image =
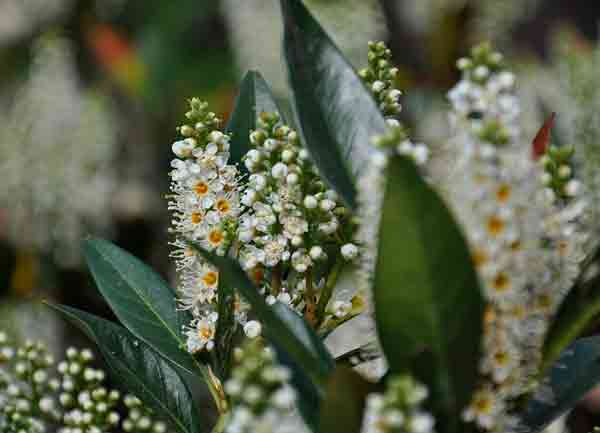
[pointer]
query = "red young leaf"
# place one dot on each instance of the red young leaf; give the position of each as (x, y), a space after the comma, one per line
(542, 138)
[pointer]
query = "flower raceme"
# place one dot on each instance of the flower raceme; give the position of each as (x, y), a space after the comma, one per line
(282, 223)
(523, 212)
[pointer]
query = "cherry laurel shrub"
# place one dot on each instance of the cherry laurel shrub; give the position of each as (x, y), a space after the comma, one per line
(475, 272)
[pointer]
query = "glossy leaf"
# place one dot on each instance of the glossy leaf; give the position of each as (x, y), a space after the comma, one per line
(138, 369)
(574, 373)
(577, 312)
(310, 395)
(254, 98)
(344, 402)
(365, 353)
(288, 333)
(225, 332)
(427, 297)
(142, 301)
(336, 114)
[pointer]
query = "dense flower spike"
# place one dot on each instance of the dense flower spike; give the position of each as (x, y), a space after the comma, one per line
(520, 231)
(281, 222)
(206, 206)
(293, 223)
(398, 410)
(38, 396)
(261, 396)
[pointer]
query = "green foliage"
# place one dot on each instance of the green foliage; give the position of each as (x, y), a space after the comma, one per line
(336, 114)
(255, 97)
(574, 373)
(427, 298)
(142, 301)
(139, 369)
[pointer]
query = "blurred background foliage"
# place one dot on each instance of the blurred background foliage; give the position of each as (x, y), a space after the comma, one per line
(137, 63)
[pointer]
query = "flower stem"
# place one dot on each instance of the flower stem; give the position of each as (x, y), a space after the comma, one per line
(328, 289)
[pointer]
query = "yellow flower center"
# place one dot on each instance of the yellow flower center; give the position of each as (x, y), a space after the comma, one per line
(210, 278)
(223, 205)
(503, 193)
(483, 405)
(215, 237)
(201, 188)
(495, 225)
(205, 332)
(501, 357)
(480, 258)
(501, 282)
(196, 217)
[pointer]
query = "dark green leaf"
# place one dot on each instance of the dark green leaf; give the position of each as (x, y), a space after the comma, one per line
(365, 353)
(574, 373)
(139, 369)
(142, 301)
(254, 98)
(427, 295)
(344, 402)
(336, 114)
(225, 333)
(285, 329)
(309, 395)
(576, 313)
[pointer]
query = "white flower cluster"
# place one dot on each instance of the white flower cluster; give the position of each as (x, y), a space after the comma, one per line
(293, 223)
(261, 397)
(520, 233)
(38, 397)
(206, 206)
(398, 410)
(280, 221)
(57, 144)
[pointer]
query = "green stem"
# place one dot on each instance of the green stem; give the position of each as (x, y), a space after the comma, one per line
(214, 386)
(572, 329)
(328, 289)
(220, 425)
(309, 299)
(276, 280)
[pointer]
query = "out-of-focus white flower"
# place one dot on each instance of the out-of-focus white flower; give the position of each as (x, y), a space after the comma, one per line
(58, 147)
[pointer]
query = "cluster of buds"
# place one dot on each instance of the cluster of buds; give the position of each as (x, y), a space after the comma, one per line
(38, 396)
(398, 410)
(397, 140)
(558, 176)
(261, 396)
(380, 76)
(485, 97)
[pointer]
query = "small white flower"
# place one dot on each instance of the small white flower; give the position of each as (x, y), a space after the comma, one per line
(310, 202)
(279, 170)
(252, 329)
(349, 251)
